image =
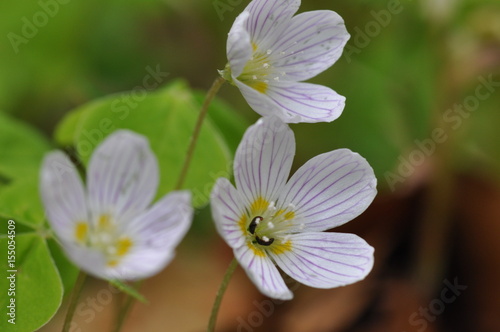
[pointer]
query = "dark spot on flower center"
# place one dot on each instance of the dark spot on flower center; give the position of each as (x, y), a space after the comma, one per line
(262, 242)
(253, 225)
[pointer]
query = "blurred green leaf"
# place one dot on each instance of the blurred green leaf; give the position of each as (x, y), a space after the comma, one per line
(67, 270)
(38, 288)
(20, 201)
(478, 135)
(22, 148)
(167, 118)
(370, 124)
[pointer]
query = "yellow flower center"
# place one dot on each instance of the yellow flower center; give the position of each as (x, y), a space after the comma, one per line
(105, 237)
(258, 70)
(268, 228)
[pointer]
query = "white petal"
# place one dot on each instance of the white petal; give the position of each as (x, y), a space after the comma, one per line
(268, 19)
(123, 176)
(311, 43)
(263, 160)
(305, 102)
(331, 189)
(142, 264)
(91, 261)
(263, 273)
(326, 260)
(156, 234)
(259, 102)
(164, 225)
(228, 209)
(239, 46)
(62, 194)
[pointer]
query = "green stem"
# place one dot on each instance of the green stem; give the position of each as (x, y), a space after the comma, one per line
(220, 294)
(75, 295)
(129, 301)
(196, 132)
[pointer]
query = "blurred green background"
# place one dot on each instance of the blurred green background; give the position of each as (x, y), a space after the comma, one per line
(422, 82)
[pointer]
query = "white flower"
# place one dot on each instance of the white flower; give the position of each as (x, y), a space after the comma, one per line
(268, 220)
(108, 229)
(270, 52)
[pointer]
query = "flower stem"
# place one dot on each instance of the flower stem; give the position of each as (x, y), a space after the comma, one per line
(129, 301)
(220, 294)
(75, 295)
(196, 132)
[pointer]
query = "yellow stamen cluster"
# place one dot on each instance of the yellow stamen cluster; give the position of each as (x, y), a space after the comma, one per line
(258, 70)
(104, 236)
(267, 227)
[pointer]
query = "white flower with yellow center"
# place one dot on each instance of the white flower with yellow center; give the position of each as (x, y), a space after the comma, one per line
(109, 228)
(270, 53)
(270, 221)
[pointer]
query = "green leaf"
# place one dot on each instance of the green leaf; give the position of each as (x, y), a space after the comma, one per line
(22, 148)
(166, 117)
(38, 288)
(67, 270)
(128, 290)
(20, 201)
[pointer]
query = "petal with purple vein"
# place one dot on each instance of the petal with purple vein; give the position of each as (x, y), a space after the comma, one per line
(239, 45)
(263, 160)
(268, 19)
(63, 195)
(305, 102)
(228, 209)
(263, 273)
(122, 176)
(326, 260)
(311, 44)
(330, 189)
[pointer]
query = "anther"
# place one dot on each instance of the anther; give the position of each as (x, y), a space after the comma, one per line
(265, 241)
(254, 223)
